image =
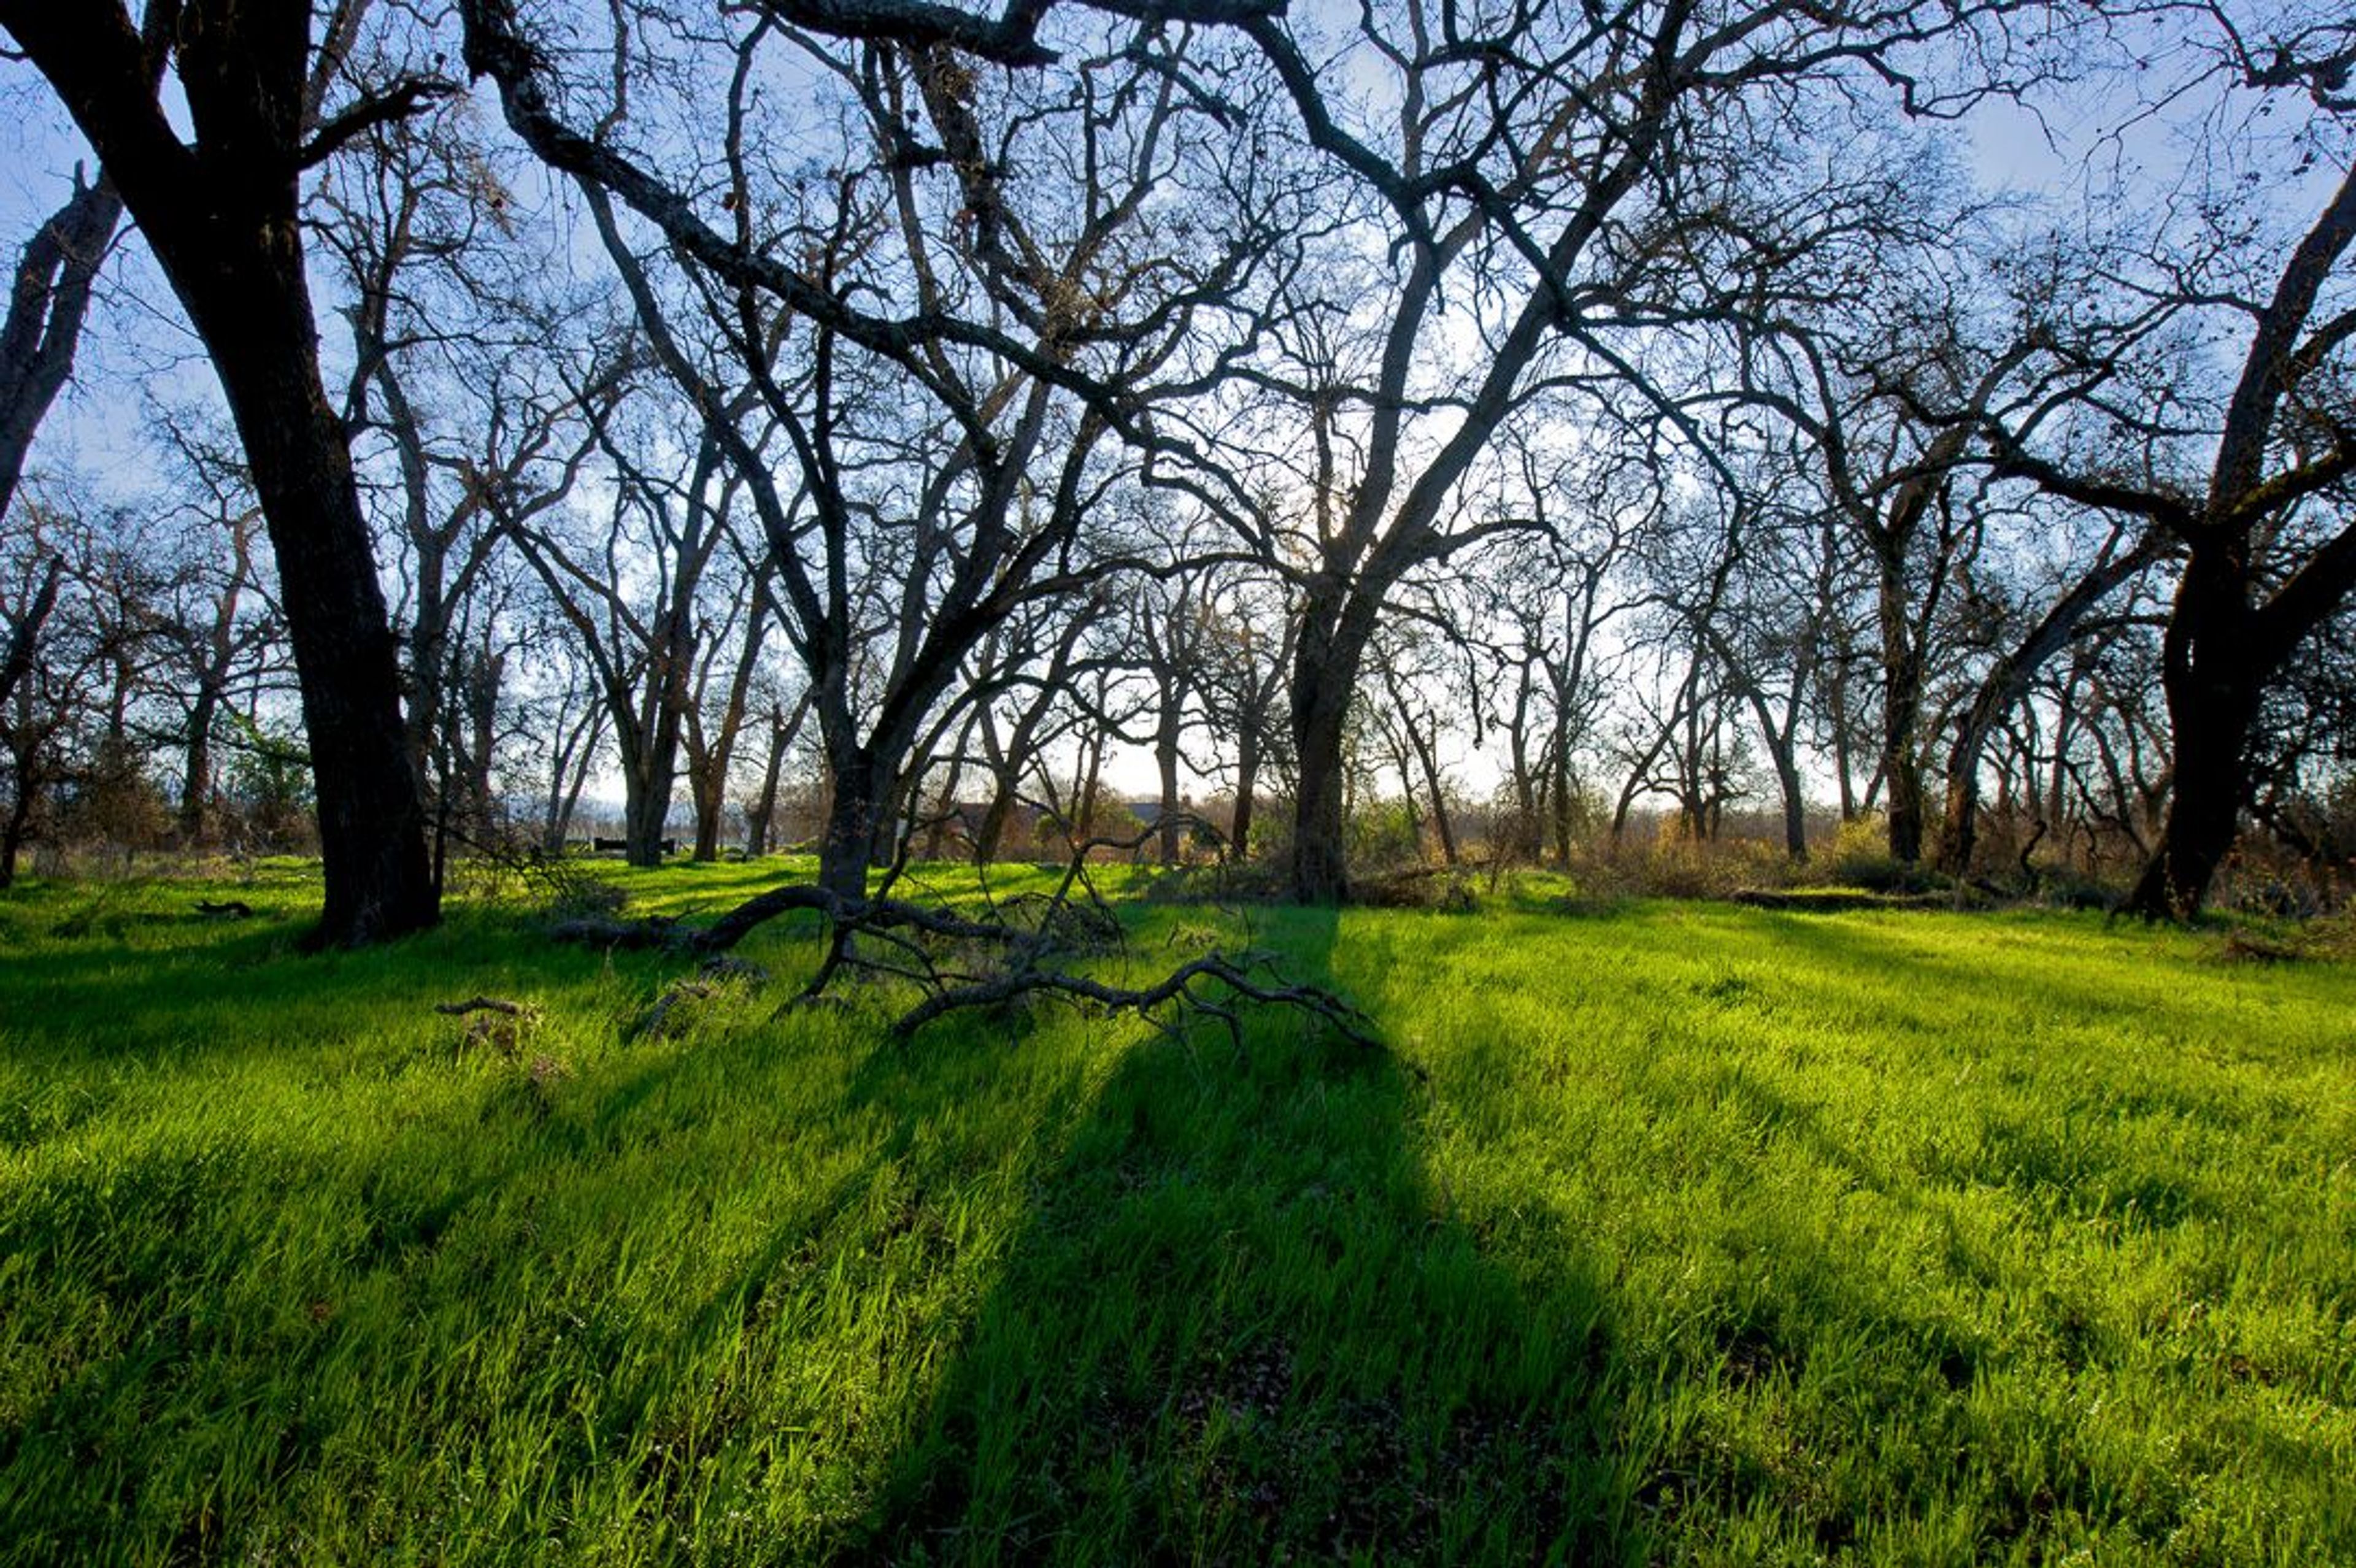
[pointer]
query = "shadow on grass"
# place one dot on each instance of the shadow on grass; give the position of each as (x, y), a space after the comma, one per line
(1242, 1326)
(218, 1339)
(772, 1293)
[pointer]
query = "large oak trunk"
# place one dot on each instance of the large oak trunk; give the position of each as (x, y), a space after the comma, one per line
(855, 818)
(2212, 675)
(1320, 874)
(646, 811)
(1333, 639)
(371, 828)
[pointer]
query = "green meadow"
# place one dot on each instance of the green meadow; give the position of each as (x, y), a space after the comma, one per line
(1657, 1232)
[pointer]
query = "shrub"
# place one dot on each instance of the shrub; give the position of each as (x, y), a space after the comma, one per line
(1860, 857)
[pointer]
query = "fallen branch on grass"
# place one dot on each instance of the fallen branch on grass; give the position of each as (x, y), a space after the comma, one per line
(1186, 991)
(1010, 952)
(1838, 900)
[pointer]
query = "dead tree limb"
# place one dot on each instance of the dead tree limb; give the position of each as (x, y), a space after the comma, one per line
(1204, 987)
(1016, 948)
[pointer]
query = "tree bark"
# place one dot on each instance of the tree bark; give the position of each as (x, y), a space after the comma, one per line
(1165, 758)
(855, 820)
(1239, 828)
(1319, 707)
(1901, 707)
(197, 776)
(2214, 675)
(1337, 625)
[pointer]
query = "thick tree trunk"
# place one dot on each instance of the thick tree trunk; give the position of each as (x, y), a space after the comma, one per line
(708, 788)
(1333, 645)
(371, 828)
(2214, 675)
(1795, 803)
(2204, 815)
(1319, 875)
(646, 810)
(855, 820)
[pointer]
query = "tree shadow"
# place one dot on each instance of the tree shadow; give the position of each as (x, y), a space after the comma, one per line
(249, 1333)
(1243, 1326)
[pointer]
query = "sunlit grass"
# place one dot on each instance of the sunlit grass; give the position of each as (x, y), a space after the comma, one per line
(1677, 1233)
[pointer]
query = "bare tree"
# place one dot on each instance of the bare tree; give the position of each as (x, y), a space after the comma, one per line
(1247, 655)
(628, 585)
(2262, 512)
(47, 301)
(721, 698)
(948, 454)
(1560, 166)
(221, 213)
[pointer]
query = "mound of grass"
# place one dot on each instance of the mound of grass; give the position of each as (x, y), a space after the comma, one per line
(1677, 1233)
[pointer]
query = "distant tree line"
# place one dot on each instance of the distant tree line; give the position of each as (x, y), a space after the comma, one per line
(878, 416)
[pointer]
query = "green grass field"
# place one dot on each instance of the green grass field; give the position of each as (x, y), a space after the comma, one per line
(1674, 1233)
